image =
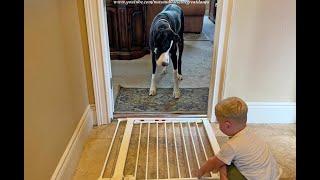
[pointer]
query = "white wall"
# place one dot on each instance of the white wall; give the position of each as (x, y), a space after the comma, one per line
(261, 59)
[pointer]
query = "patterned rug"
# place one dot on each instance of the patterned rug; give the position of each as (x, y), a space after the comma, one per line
(195, 37)
(132, 100)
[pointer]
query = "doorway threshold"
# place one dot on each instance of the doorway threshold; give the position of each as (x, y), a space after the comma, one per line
(117, 115)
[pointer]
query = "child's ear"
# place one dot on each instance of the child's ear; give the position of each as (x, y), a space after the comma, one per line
(228, 124)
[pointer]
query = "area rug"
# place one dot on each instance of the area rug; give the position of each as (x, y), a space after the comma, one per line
(133, 100)
(195, 37)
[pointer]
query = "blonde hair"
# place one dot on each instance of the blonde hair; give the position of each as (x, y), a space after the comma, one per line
(232, 108)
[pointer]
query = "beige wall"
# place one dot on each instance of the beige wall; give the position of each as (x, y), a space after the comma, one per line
(55, 91)
(262, 51)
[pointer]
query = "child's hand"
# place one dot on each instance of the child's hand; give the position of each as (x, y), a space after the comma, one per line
(196, 173)
(223, 173)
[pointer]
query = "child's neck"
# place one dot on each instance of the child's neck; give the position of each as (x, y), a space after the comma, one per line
(239, 128)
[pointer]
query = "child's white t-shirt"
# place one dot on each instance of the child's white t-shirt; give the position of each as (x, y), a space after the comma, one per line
(250, 155)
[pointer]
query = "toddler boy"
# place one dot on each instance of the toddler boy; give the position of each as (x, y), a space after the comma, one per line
(250, 155)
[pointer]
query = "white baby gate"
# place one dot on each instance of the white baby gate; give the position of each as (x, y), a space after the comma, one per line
(172, 125)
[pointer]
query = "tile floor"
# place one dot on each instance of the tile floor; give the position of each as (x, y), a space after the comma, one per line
(280, 137)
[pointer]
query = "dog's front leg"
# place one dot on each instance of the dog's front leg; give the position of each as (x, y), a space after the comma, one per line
(180, 50)
(176, 90)
(153, 87)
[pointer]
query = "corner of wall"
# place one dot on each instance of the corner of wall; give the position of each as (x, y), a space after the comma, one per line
(71, 156)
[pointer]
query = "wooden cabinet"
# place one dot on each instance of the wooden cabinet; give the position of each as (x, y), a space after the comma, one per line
(127, 31)
(212, 10)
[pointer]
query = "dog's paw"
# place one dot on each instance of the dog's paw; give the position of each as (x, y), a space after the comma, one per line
(152, 91)
(176, 93)
(179, 76)
(164, 71)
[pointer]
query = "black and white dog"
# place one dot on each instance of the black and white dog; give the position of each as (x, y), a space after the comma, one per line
(165, 40)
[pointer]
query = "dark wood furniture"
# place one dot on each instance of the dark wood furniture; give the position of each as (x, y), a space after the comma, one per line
(127, 31)
(128, 27)
(212, 10)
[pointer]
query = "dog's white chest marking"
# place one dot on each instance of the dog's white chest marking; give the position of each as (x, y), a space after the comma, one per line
(164, 57)
(177, 52)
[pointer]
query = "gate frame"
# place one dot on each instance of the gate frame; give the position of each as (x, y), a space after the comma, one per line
(122, 156)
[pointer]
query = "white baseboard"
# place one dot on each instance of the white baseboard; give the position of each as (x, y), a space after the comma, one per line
(93, 109)
(71, 156)
(271, 112)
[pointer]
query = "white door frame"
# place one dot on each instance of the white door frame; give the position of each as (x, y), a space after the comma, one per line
(96, 19)
(219, 58)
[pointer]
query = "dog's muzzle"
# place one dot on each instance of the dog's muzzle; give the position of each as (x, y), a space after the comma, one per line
(164, 58)
(165, 64)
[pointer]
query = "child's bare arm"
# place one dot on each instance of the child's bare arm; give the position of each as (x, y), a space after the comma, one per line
(211, 164)
(223, 172)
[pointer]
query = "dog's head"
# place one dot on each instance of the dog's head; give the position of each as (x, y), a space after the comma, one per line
(164, 40)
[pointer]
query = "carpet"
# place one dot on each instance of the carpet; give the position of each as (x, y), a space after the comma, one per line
(195, 37)
(133, 100)
(196, 68)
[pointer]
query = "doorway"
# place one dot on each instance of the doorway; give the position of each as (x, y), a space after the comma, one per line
(131, 63)
(106, 72)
